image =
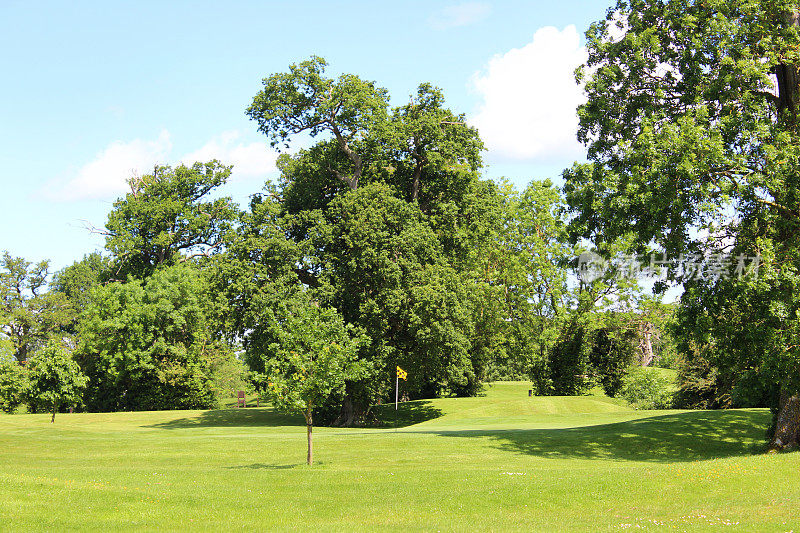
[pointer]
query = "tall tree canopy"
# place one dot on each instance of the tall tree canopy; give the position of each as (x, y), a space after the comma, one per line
(168, 216)
(378, 220)
(694, 146)
(29, 315)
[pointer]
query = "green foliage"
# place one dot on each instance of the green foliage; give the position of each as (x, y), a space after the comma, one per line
(13, 383)
(146, 345)
(54, 380)
(647, 388)
(691, 126)
(167, 214)
(77, 280)
(29, 316)
(611, 356)
(568, 366)
(701, 385)
(523, 283)
(390, 277)
(311, 359)
(228, 373)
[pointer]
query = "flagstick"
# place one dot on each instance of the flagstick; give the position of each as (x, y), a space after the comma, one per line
(396, 390)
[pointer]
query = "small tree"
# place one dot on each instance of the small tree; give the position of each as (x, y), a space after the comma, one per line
(314, 355)
(54, 379)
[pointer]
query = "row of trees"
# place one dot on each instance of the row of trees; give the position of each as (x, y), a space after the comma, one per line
(380, 245)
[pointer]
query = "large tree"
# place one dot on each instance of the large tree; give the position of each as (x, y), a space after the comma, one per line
(378, 220)
(693, 140)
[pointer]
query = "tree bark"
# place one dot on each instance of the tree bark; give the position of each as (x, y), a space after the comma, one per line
(789, 78)
(646, 343)
(309, 427)
(55, 408)
(346, 414)
(352, 182)
(787, 425)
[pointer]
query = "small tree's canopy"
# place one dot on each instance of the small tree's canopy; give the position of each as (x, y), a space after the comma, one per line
(312, 356)
(167, 217)
(54, 379)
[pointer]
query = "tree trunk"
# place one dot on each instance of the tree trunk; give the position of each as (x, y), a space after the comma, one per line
(646, 343)
(309, 426)
(346, 417)
(787, 426)
(55, 408)
(789, 78)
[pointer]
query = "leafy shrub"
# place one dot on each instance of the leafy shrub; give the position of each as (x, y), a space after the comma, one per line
(12, 385)
(647, 388)
(568, 370)
(146, 344)
(611, 356)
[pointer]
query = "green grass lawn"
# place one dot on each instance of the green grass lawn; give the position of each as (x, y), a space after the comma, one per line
(494, 463)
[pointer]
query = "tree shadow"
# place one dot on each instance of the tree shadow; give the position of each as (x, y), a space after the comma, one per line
(668, 438)
(407, 414)
(249, 417)
(263, 466)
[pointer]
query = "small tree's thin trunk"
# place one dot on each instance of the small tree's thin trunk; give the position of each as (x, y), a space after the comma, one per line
(55, 408)
(309, 426)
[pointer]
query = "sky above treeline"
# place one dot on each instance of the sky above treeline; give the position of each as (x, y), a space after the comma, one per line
(93, 92)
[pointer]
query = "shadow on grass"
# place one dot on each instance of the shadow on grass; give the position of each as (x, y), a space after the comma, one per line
(262, 466)
(410, 413)
(688, 436)
(234, 418)
(407, 414)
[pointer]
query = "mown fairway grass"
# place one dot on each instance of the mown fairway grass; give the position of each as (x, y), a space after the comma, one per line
(499, 462)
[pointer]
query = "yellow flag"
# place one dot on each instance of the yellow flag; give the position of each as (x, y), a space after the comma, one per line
(402, 374)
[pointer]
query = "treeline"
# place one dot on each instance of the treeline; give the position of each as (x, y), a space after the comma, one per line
(383, 234)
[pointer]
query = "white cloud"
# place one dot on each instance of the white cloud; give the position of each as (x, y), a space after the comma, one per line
(460, 15)
(254, 160)
(530, 98)
(105, 177)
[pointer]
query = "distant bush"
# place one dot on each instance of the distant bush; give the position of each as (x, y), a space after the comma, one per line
(647, 388)
(12, 385)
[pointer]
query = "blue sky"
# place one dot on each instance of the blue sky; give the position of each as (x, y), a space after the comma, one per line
(94, 91)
